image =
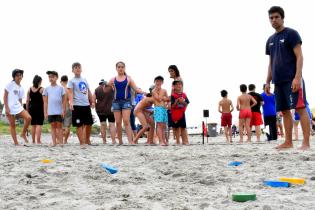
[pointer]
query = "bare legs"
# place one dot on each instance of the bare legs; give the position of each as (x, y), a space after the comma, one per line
(288, 125)
(228, 133)
(36, 132)
(160, 133)
(245, 122)
(112, 131)
(124, 116)
(66, 134)
(306, 128)
(27, 120)
(181, 132)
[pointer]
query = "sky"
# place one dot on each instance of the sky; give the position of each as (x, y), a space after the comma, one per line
(215, 44)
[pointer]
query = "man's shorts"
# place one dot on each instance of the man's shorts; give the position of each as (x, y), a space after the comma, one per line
(119, 105)
(245, 113)
(54, 118)
(67, 120)
(286, 99)
(256, 119)
(105, 117)
(81, 115)
(226, 119)
(160, 114)
(180, 124)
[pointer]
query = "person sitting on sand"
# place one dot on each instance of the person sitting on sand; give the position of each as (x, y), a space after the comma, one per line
(13, 95)
(179, 103)
(160, 109)
(55, 107)
(244, 105)
(226, 108)
(144, 116)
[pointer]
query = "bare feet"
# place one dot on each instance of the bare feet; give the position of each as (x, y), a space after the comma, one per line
(285, 145)
(163, 144)
(24, 137)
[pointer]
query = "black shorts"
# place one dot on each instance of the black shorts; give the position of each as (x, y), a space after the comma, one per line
(81, 115)
(54, 118)
(180, 124)
(103, 118)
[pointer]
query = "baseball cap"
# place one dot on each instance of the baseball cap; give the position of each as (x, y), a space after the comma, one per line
(102, 82)
(17, 71)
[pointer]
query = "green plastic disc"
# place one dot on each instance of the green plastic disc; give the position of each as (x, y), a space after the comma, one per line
(243, 197)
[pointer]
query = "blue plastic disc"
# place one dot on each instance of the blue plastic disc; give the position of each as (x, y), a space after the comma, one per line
(235, 163)
(277, 184)
(109, 169)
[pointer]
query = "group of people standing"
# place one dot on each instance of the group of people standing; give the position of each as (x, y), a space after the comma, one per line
(285, 71)
(70, 103)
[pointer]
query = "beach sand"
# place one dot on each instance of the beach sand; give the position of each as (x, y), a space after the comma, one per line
(153, 177)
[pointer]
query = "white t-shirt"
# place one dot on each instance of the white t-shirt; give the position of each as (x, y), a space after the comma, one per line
(15, 93)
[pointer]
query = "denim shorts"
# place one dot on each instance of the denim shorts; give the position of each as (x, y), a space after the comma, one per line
(119, 105)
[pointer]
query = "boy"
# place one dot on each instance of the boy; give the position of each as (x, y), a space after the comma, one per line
(256, 119)
(13, 94)
(160, 110)
(54, 107)
(179, 103)
(226, 108)
(66, 124)
(81, 102)
(244, 106)
(143, 115)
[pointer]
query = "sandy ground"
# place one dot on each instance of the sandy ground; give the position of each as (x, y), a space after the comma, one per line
(153, 177)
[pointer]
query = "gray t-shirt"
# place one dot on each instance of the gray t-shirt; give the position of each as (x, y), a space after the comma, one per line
(54, 95)
(80, 89)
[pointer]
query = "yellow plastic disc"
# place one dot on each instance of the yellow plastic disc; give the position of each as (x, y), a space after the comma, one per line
(47, 161)
(292, 180)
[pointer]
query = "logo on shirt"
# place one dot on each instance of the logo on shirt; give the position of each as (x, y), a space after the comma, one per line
(282, 40)
(271, 44)
(83, 87)
(16, 92)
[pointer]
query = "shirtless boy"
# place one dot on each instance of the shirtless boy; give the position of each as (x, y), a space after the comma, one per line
(244, 106)
(160, 109)
(226, 108)
(143, 115)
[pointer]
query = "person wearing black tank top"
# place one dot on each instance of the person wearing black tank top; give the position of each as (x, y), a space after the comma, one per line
(35, 106)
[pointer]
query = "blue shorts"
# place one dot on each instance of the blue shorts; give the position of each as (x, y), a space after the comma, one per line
(286, 99)
(160, 114)
(119, 105)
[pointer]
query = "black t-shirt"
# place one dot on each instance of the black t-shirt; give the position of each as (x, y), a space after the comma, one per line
(259, 99)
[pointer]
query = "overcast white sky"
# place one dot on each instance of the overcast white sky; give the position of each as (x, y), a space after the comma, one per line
(215, 44)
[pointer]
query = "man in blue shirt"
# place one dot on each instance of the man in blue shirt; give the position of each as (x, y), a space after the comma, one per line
(270, 114)
(285, 71)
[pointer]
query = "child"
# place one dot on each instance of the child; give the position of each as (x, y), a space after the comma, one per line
(12, 98)
(160, 110)
(244, 106)
(54, 107)
(81, 102)
(179, 102)
(66, 123)
(143, 114)
(35, 107)
(226, 108)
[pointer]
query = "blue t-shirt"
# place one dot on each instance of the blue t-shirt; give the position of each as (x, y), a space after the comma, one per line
(269, 107)
(283, 60)
(54, 95)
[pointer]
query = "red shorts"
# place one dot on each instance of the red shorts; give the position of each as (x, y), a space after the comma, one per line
(245, 113)
(256, 119)
(226, 119)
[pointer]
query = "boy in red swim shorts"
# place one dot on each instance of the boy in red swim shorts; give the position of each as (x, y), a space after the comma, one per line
(244, 105)
(226, 108)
